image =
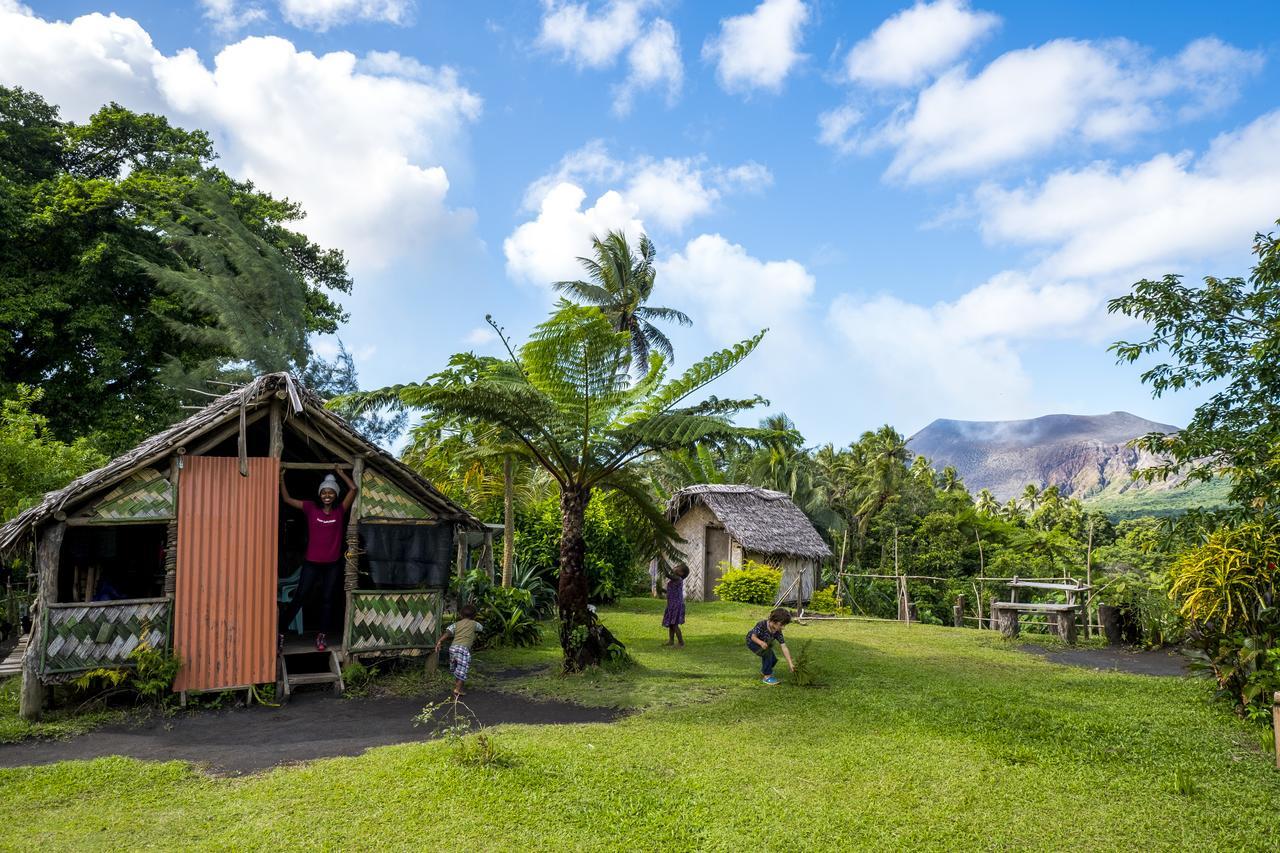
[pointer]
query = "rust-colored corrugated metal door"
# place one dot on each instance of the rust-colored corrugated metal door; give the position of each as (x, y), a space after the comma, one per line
(225, 606)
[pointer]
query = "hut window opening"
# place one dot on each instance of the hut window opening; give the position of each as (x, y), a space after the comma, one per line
(112, 562)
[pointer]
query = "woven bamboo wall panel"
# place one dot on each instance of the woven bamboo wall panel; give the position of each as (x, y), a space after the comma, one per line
(393, 620)
(381, 499)
(145, 496)
(102, 634)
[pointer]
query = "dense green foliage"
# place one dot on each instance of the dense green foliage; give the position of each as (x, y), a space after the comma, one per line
(32, 461)
(617, 541)
(752, 584)
(130, 265)
(921, 738)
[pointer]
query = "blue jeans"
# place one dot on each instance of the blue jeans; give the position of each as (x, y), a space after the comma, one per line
(767, 657)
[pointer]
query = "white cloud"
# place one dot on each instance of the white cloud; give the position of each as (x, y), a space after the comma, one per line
(79, 65)
(1106, 219)
(759, 49)
(591, 41)
(962, 356)
(912, 44)
(360, 146)
(835, 128)
(545, 250)
(322, 15)
(1028, 101)
(620, 28)
(733, 294)
(654, 62)
(669, 192)
(229, 15)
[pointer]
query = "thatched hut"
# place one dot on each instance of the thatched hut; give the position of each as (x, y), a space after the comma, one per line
(184, 542)
(727, 525)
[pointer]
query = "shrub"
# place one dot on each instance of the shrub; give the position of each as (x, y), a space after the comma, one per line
(614, 545)
(508, 614)
(754, 583)
(824, 601)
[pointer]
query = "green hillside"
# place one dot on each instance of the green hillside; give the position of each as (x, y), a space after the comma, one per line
(1134, 503)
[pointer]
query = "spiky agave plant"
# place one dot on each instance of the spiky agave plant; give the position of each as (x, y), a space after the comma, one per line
(566, 401)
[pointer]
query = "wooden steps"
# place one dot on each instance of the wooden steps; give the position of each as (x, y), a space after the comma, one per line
(12, 665)
(303, 670)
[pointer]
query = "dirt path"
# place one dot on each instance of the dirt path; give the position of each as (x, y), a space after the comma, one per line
(1162, 662)
(313, 725)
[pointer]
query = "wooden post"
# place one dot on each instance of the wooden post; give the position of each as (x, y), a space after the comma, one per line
(991, 622)
(171, 533)
(1088, 580)
(32, 698)
(1275, 723)
(486, 554)
(957, 612)
(351, 568)
(461, 555)
(276, 446)
(1067, 626)
(1007, 619)
(508, 521)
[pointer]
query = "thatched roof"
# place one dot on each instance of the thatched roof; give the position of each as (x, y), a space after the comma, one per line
(300, 403)
(761, 520)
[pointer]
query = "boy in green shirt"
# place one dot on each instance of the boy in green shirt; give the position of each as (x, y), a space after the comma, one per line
(462, 634)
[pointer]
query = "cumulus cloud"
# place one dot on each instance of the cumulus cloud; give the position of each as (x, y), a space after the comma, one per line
(963, 355)
(322, 15)
(229, 15)
(670, 192)
(759, 49)
(654, 62)
(1028, 101)
(735, 294)
(912, 44)
(545, 249)
(359, 145)
(621, 28)
(1173, 207)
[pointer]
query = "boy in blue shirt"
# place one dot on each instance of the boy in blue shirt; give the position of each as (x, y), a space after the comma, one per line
(760, 641)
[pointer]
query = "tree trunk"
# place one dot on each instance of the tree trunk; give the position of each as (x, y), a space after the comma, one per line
(508, 521)
(582, 637)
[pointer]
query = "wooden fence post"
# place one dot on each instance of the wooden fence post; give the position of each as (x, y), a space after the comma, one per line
(1275, 723)
(957, 612)
(31, 701)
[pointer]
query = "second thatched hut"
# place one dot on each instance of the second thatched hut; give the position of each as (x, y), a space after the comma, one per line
(724, 526)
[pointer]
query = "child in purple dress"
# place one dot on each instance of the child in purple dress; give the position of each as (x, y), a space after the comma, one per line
(673, 616)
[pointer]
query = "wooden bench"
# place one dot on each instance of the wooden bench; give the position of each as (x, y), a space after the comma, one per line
(1061, 617)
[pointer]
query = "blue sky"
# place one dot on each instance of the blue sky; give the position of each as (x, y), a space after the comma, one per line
(928, 204)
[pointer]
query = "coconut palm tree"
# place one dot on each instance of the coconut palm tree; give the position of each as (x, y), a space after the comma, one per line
(620, 285)
(566, 399)
(987, 503)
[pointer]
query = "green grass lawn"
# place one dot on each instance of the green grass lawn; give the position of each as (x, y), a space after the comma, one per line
(922, 737)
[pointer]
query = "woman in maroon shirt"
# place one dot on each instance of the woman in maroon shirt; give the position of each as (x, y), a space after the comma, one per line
(322, 565)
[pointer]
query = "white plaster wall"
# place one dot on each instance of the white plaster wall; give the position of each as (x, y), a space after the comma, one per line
(692, 527)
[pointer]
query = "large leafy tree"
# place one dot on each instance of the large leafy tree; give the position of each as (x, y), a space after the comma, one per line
(621, 284)
(1224, 332)
(125, 255)
(568, 401)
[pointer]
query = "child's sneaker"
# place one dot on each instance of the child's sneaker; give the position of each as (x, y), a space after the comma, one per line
(769, 679)
(320, 645)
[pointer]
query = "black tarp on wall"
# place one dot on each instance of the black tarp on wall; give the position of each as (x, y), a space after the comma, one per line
(408, 555)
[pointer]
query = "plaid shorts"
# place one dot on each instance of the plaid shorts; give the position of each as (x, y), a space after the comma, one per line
(459, 662)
